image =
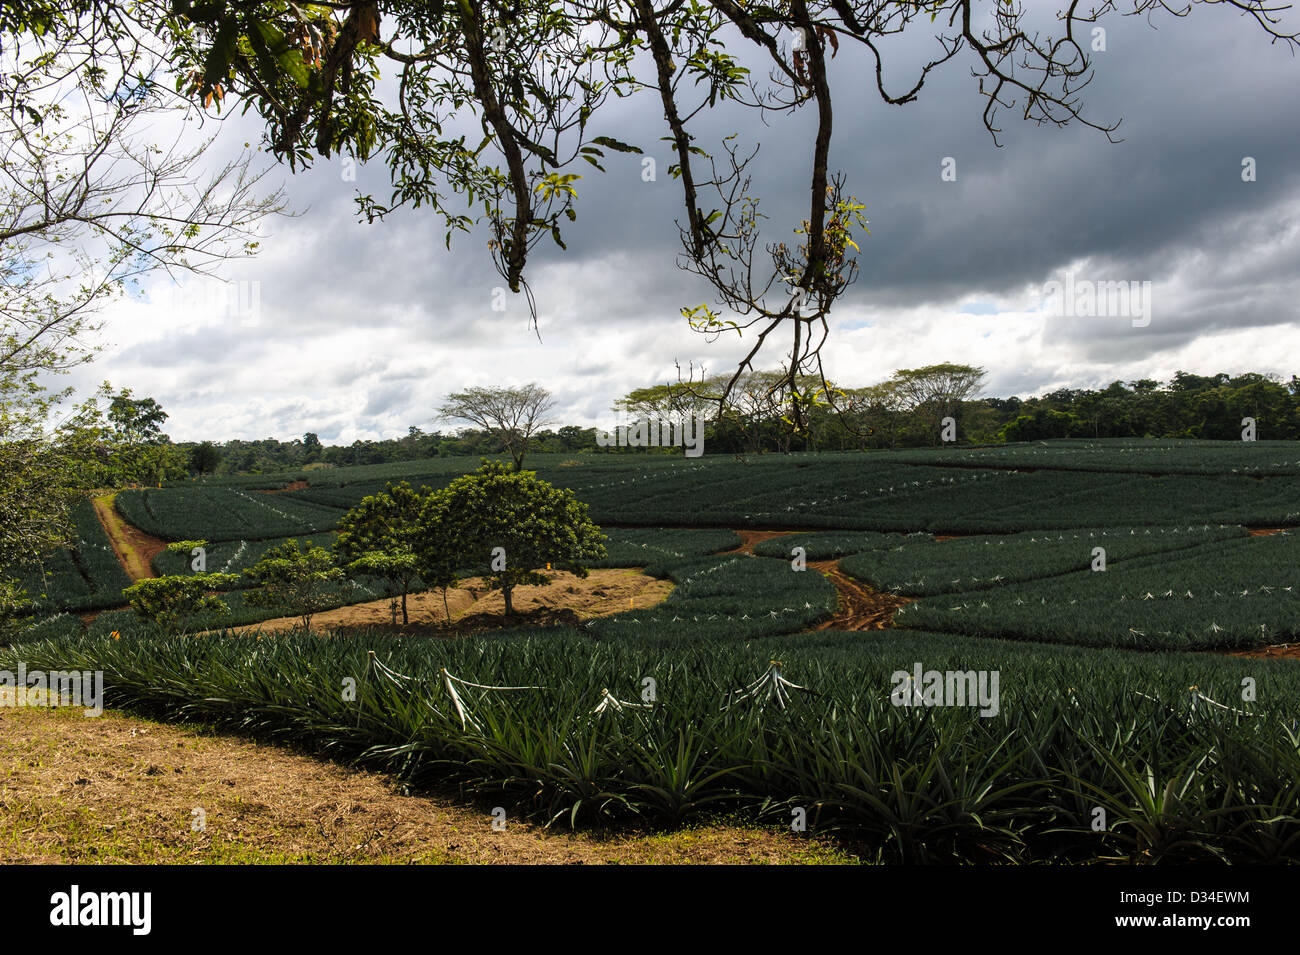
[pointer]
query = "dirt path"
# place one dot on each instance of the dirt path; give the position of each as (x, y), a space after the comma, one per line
(473, 607)
(119, 789)
(134, 548)
(291, 486)
(748, 539)
(860, 607)
(1278, 651)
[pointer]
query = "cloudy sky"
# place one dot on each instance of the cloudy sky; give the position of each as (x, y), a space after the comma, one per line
(360, 330)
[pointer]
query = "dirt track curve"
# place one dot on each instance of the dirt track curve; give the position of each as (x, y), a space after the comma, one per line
(134, 548)
(860, 607)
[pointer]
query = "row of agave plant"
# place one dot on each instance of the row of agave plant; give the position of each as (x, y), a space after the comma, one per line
(1091, 756)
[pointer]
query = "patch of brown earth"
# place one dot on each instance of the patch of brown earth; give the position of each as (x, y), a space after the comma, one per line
(748, 539)
(1279, 651)
(1265, 531)
(860, 606)
(134, 548)
(118, 789)
(567, 599)
(291, 486)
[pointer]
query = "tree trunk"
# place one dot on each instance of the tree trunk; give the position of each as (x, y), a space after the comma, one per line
(505, 591)
(406, 620)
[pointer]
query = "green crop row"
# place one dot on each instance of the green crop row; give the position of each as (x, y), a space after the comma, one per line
(920, 566)
(730, 596)
(1230, 594)
(1164, 456)
(230, 556)
(822, 546)
(196, 512)
(639, 546)
(576, 730)
(86, 577)
(242, 613)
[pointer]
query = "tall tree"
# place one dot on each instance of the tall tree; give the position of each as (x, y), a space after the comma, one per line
(377, 537)
(510, 415)
(136, 420)
(299, 580)
(936, 392)
(205, 458)
(91, 201)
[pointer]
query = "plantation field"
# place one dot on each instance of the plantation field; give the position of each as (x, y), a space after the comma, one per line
(222, 514)
(920, 567)
(875, 492)
(85, 577)
(880, 512)
(1238, 594)
(1100, 701)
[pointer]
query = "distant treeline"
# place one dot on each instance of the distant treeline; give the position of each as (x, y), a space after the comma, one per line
(894, 414)
(1189, 406)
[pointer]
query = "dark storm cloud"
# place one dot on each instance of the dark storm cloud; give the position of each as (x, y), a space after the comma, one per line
(351, 310)
(1013, 216)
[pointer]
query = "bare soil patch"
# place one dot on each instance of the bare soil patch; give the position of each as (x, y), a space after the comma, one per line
(1265, 531)
(860, 606)
(1279, 651)
(134, 548)
(291, 486)
(748, 539)
(568, 599)
(119, 789)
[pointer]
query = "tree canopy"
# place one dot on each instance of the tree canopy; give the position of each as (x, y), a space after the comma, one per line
(510, 523)
(509, 415)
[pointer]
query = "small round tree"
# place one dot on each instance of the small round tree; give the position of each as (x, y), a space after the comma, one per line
(377, 538)
(511, 524)
(298, 580)
(171, 602)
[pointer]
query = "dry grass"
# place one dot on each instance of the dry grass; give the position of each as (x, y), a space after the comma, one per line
(119, 789)
(602, 592)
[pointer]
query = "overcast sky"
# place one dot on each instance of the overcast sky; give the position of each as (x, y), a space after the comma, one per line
(362, 329)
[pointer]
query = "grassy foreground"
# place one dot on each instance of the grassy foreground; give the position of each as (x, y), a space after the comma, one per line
(123, 789)
(1123, 756)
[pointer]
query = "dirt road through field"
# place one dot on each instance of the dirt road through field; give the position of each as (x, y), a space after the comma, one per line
(134, 548)
(859, 606)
